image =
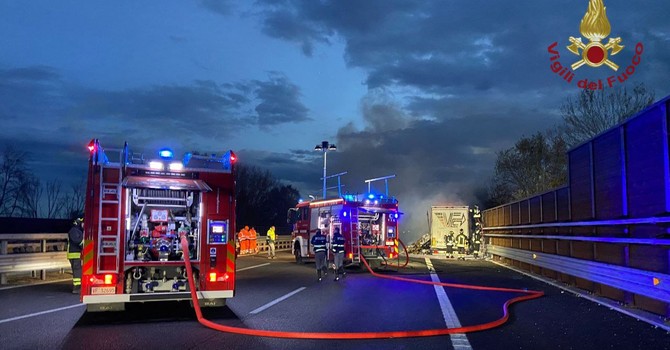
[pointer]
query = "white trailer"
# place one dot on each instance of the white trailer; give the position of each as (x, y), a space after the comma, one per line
(449, 229)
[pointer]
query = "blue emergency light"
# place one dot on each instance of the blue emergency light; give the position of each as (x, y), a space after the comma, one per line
(166, 153)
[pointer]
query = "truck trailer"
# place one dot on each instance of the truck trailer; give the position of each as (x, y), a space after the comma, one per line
(450, 231)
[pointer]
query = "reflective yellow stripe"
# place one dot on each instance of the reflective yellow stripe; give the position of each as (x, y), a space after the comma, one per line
(76, 281)
(87, 261)
(73, 255)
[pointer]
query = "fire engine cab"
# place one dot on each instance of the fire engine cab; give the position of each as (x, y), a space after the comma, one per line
(368, 222)
(136, 211)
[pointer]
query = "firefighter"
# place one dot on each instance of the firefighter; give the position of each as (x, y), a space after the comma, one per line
(271, 242)
(337, 247)
(75, 241)
(461, 241)
(318, 241)
(450, 244)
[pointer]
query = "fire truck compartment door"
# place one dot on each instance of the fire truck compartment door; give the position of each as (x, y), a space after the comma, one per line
(166, 183)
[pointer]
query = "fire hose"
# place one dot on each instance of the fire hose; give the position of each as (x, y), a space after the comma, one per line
(529, 294)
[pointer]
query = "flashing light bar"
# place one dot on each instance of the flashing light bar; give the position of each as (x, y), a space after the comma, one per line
(166, 153)
(176, 166)
(156, 165)
(330, 201)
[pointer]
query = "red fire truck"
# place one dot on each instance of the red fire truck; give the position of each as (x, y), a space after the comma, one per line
(136, 211)
(368, 222)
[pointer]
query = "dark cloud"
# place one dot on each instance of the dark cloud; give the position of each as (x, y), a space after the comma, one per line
(296, 168)
(30, 74)
(221, 7)
(29, 92)
(464, 80)
(37, 104)
(279, 102)
(455, 47)
(177, 39)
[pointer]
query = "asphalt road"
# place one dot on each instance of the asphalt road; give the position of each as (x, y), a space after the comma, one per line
(280, 295)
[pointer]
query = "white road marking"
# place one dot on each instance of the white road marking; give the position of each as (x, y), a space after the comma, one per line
(252, 267)
(278, 300)
(35, 284)
(459, 341)
(40, 313)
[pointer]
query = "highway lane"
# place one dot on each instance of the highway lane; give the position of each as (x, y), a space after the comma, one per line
(361, 302)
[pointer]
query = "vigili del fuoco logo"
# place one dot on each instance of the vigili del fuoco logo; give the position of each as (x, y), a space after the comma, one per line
(595, 27)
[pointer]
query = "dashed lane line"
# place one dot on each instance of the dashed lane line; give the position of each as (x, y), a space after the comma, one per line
(40, 313)
(278, 300)
(252, 267)
(459, 341)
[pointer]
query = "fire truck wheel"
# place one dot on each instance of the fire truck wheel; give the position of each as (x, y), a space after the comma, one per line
(298, 257)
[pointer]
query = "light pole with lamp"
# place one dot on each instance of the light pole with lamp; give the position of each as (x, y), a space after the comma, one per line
(325, 147)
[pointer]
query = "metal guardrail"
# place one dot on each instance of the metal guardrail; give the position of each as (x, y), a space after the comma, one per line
(41, 260)
(652, 284)
(281, 243)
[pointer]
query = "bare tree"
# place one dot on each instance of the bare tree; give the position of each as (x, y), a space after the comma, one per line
(30, 195)
(15, 181)
(535, 164)
(54, 201)
(539, 163)
(593, 112)
(72, 203)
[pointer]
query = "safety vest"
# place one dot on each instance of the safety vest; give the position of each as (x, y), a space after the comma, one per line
(319, 243)
(271, 234)
(338, 244)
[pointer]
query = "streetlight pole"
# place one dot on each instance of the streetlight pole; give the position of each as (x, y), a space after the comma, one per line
(324, 147)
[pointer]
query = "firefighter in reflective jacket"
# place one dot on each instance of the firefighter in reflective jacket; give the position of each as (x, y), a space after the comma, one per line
(338, 249)
(75, 242)
(319, 244)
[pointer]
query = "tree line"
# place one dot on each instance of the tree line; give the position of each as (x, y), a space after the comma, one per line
(539, 162)
(24, 194)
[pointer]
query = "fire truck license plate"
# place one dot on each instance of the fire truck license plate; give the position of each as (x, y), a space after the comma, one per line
(103, 290)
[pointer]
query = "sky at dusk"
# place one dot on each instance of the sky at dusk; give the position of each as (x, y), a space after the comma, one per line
(426, 90)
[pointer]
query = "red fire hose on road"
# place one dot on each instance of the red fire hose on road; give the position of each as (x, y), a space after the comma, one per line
(529, 294)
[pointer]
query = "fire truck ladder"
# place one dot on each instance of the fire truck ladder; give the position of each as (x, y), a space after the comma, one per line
(107, 239)
(354, 238)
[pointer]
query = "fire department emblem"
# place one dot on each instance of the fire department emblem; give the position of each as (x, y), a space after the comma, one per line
(595, 26)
